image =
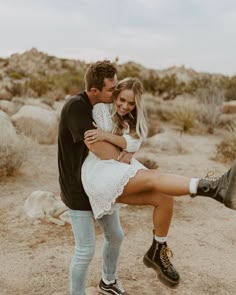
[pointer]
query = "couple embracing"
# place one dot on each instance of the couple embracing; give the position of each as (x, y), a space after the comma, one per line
(100, 130)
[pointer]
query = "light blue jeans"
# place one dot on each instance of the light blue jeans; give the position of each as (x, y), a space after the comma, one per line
(85, 242)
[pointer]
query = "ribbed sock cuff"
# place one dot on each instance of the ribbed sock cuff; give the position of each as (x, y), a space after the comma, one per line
(193, 184)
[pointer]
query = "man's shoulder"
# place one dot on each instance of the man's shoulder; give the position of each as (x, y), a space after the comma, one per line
(79, 99)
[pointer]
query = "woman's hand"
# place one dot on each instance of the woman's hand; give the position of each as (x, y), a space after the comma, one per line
(95, 135)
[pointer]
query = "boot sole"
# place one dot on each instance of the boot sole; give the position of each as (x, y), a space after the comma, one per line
(167, 281)
(100, 291)
(230, 200)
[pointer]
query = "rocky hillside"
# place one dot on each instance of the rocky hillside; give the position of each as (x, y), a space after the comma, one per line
(36, 74)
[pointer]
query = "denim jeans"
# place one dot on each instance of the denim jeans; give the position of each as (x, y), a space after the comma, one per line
(85, 242)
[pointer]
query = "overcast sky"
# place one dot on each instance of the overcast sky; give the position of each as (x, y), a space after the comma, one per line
(199, 34)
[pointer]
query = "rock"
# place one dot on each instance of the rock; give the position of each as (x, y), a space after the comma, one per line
(166, 142)
(37, 123)
(229, 107)
(8, 107)
(5, 95)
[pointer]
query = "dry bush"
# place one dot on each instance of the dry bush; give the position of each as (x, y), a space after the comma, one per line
(183, 112)
(210, 106)
(13, 148)
(227, 148)
(152, 106)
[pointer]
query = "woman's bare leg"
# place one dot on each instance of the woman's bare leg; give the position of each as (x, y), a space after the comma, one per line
(157, 255)
(163, 208)
(152, 180)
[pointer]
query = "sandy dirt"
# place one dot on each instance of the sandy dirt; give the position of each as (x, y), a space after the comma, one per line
(35, 257)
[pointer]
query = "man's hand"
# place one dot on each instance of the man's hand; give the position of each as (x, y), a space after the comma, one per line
(125, 157)
(95, 135)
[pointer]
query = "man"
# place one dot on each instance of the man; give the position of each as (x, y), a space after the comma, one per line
(76, 118)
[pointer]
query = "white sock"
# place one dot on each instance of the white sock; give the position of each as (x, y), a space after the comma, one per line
(108, 282)
(193, 185)
(160, 239)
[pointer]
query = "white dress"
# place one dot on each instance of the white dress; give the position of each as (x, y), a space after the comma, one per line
(104, 180)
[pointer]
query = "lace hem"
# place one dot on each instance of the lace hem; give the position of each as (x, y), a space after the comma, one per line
(109, 209)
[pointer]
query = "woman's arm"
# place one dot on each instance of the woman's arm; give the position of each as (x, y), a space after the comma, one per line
(98, 135)
(125, 142)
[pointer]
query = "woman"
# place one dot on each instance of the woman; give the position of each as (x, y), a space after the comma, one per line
(114, 120)
(109, 183)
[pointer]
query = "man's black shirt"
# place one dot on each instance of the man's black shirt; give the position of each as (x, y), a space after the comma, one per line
(76, 118)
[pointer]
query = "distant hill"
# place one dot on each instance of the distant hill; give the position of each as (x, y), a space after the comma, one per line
(35, 74)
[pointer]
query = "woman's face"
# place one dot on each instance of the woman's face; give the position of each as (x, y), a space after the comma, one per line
(125, 102)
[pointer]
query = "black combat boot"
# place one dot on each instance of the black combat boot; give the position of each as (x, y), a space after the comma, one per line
(157, 257)
(222, 189)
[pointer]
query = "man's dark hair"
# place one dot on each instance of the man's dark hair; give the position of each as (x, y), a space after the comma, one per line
(97, 72)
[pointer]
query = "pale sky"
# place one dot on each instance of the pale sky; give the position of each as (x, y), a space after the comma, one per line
(199, 34)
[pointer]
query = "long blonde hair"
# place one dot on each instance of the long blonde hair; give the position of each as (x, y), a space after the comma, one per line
(135, 119)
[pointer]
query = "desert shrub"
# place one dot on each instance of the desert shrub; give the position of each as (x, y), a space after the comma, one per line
(227, 148)
(65, 83)
(17, 89)
(13, 147)
(183, 113)
(16, 75)
(1, 77)
(210, 107)
(168, 87)
(129, 70)
(205, 82)
(150, 83)
(40, 85)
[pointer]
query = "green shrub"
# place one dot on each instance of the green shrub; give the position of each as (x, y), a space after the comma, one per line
(40, 85)
(18, 89)
(16, 75)
(65, 83)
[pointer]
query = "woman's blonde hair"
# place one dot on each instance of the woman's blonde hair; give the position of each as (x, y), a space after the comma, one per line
(135, 119)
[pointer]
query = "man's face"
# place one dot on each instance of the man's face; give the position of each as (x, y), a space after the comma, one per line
(105, 95)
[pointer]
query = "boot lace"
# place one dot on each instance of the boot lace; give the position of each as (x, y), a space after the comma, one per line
(210, 175)
(165, 254)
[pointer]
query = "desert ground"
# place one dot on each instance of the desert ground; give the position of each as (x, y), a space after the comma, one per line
(35, 256)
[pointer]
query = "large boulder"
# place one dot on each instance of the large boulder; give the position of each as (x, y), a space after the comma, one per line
(37, 123)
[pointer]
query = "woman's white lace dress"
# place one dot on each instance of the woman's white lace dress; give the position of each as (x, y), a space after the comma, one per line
(104, 180)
